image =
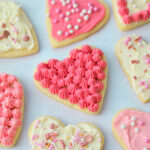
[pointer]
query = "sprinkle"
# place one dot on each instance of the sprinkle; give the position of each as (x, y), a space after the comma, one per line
(26, 38)
(76, 27)
(75, 5)
(89, 11)
(136, 129)
(68, 13)
(133, 118)
(95, 8)
(69, 26)
(145, 148)
(79, 20)
(3, 25)
(135, 61)
(147, 140)
(141, 123)
(123, 126)
(84, 11)
(86, 17)
(66, 19)
(35, 137)
(71, 31)
(59, 32)
(53, 2)
(132, 123)
(72, 10)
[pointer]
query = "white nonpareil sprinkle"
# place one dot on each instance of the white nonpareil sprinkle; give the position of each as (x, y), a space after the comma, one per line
(75, 5)
(79, 20)
(132, 123)
(59, 32)
(84, 11)
(67, 13)
(86, 17)
(133, 118)
(72, 10)
(53, 2)
(69, 26)
(76, 27)
(145, 148)
(71, 31)
(66, 19)
(89, 11)
(136, 129)
(123, 126)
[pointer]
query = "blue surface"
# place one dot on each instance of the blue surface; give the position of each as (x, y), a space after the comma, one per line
(119, 93)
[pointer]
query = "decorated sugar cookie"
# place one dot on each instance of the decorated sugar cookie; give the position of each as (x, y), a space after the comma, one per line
(69, 21)
(78, 81)
(17, 36)
(11, 109)
(134, 56)
(49, 133)
(131, 128)
(131, 14)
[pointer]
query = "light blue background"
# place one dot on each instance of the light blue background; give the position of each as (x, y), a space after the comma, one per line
(119, 93)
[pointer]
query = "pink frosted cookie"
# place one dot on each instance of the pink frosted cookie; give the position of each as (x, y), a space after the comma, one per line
(49, 133)
(134, 56)
(11, 109)
(132, 129)
(69, 21)
(78, 81)
(131, 14)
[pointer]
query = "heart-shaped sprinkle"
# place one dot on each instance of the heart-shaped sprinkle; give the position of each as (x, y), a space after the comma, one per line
(68, 19)
(17, 32)
(132, 11)
(135, 137)
(83, 136)
(134, 55)
(11, 109)
(80, 79)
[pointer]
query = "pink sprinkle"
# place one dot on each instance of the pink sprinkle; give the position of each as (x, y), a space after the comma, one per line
(51, 147)
(15, 30)
(69, 6)
(89, 4)
(67, 33)
(55, 21)
(148, 4)
(100, 140)
(142, 83)
(37, 123)
(148, 60)
(42, 144)
(91, 7)
(52, 126)
(62, 144)
(141, 123)
(147, 140)
(77, 9)
(95, 8)
(61, 15)
(37, 144)
(35, 137)
(58, 10)
(146, 86)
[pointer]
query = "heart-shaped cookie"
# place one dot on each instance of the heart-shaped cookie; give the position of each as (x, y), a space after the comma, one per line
(48, 133)
(69, 21)
(17, 36)
(78, 81)
(11, 109)
(131, 14)
(132, 129)
(134, 56)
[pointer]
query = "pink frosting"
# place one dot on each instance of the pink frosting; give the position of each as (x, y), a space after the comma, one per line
(77, 77)
(72, 15)
(11, 95)
(133, 127)
(143, 15)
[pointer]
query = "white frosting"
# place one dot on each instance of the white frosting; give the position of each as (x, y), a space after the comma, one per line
(67, 134)
(128, 51)
(17, 24)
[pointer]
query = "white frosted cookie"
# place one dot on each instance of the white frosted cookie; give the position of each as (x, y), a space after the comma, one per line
(79, 81)
(11, 109)
(134, 56)
(71, 21)
(17, 35)
(48, 133)
(131, 14)
(131, 127)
